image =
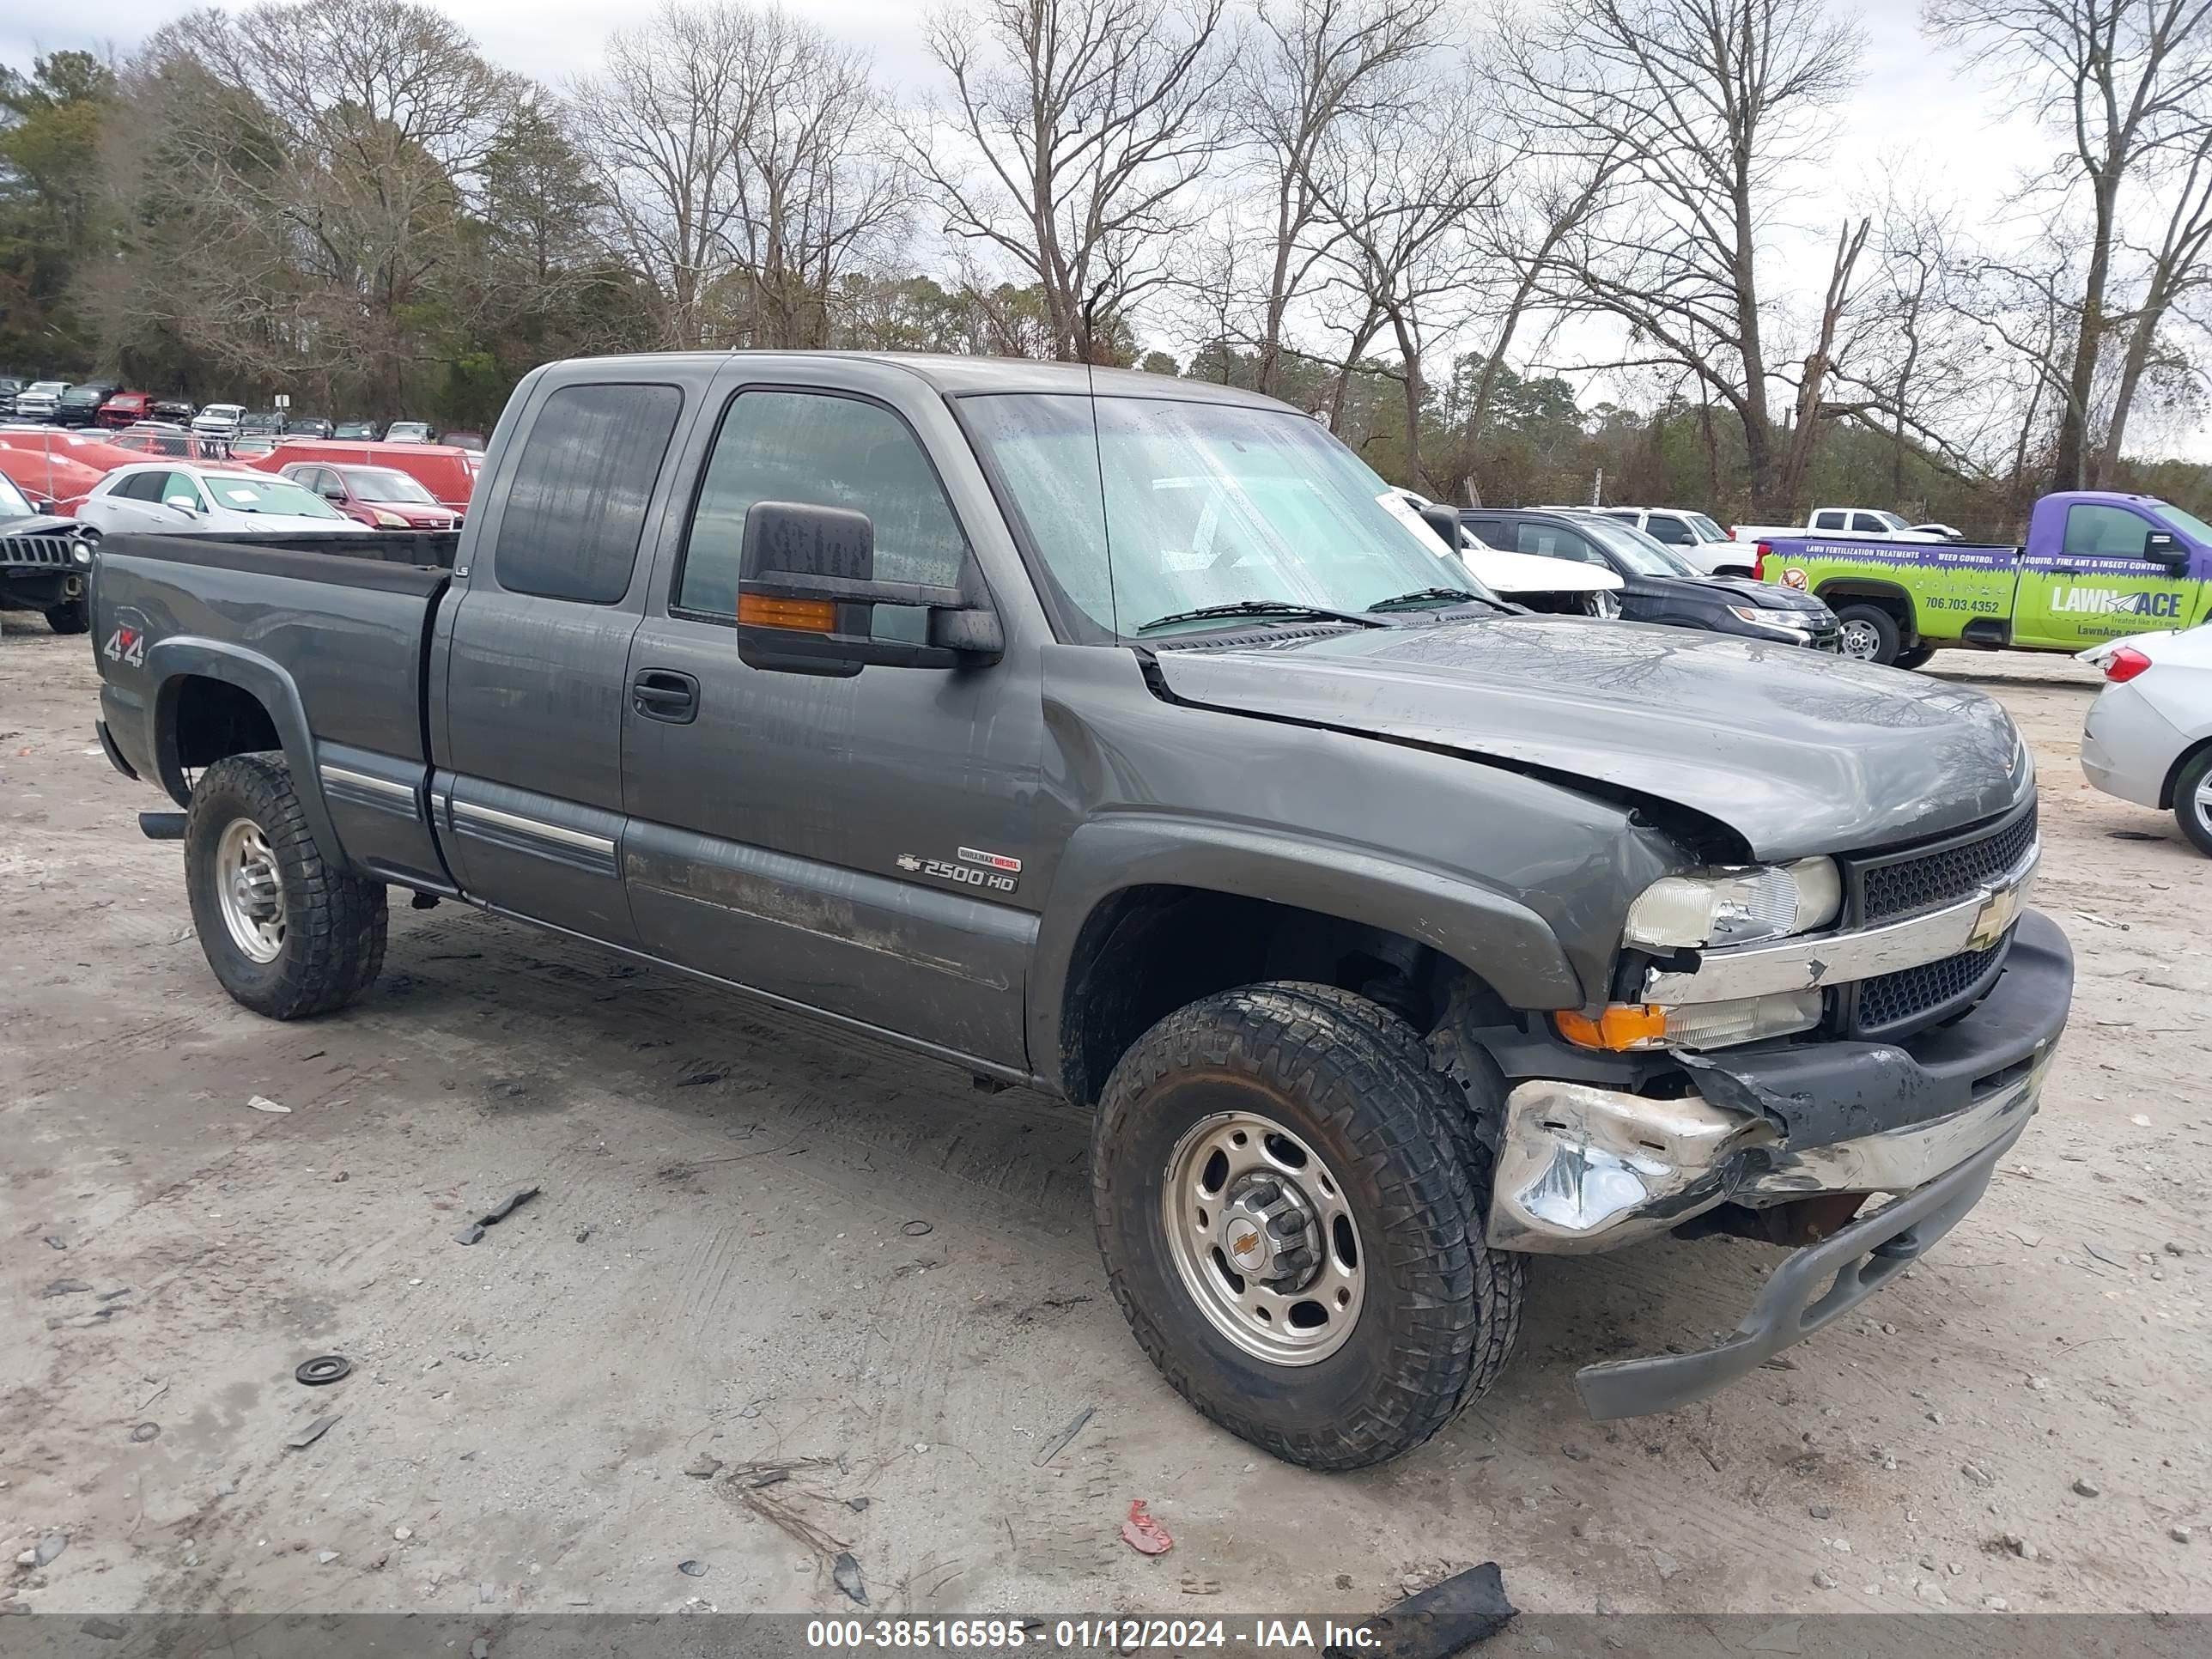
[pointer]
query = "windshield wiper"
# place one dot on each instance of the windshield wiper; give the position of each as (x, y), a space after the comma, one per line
(1458, 595)
(1261, 608)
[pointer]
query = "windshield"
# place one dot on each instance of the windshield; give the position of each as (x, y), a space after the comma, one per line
(1144, 508)
(1637, 550)
(244, 495)
(379, 483)
(82, 394)
(408, 430)
(13, 504)
(2187, 523)
(1706, 529)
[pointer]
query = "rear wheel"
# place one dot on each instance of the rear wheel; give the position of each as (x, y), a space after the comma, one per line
(70, 616)
(2193, 801)
(287, 935)
(1869, 633)
(1291, 1227)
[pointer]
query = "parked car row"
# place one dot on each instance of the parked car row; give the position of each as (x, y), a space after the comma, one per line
(107, 404)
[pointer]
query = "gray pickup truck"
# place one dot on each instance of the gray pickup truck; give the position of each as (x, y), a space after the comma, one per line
(1128, 738)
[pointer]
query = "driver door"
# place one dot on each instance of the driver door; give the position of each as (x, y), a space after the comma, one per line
(2097, 585)
(866, 845)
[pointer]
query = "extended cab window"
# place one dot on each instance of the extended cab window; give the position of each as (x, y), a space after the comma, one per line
(576, 508)
(2110, 531)
(819, 450)
(1827, 521)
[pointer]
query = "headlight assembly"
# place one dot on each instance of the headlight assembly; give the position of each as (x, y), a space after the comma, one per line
(1797, 622)
(1716, 908)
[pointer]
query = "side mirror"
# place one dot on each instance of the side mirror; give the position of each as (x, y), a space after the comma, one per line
(45, 507)
(2162, 547)
(184, 504)
(807, 592)
(1444, 520)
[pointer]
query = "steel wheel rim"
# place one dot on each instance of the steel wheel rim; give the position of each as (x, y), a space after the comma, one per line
(1263, 1238)
(249, 887)
(1605, 605)
(1861, 640)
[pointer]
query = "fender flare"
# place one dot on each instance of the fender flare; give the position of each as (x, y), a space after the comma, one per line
(169, 662)
(1509, 945)
(1872, 587)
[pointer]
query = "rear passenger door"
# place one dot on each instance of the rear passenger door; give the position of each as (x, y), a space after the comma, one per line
(530, 795)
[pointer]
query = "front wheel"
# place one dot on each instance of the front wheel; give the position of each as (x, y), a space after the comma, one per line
(1915, 656)
(287, 935)
(1291, 1230)
(2193, 801)
(1604, 604)
(70, 616)
(1869, 633)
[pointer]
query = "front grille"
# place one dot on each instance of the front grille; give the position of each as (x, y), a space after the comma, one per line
(1924, 881)
(1911, 995)
(41, 550)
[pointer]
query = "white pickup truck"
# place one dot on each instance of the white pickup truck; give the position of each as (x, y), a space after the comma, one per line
(1848, 521)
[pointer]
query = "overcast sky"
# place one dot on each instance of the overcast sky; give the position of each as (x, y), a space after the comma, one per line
(1945, 131)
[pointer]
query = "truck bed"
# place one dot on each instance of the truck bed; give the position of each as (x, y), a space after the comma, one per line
(347, 618)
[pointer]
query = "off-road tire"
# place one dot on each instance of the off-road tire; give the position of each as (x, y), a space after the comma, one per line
(70, 616)
(1442, 1312)
(1914, 656)
(1888, 641)
(2186, 813)
(334, 923)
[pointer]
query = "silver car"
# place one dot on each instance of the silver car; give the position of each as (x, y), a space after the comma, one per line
(169, 500)
(2148, 737)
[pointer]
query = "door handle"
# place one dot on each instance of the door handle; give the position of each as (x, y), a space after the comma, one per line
(660, 694)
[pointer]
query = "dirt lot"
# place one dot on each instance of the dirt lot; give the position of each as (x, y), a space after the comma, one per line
(757, 1243)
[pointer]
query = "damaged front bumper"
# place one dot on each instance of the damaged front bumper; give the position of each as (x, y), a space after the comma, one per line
(1582, 1169)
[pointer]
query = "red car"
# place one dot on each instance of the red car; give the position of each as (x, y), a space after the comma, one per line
(125, 409)
(380, 497)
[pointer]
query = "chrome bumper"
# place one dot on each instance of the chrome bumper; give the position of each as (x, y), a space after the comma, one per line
(1582, 1169)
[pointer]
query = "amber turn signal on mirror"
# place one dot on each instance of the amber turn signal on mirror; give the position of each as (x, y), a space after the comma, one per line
(804, 615)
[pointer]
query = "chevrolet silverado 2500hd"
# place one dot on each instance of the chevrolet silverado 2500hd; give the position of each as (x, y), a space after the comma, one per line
(1119, 736)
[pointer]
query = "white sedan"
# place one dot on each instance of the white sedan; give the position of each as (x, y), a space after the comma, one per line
(2148, 737)
(167, 499)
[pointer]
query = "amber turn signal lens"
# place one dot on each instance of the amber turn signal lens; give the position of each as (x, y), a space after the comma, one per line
(1623, 1025)
(806, 615)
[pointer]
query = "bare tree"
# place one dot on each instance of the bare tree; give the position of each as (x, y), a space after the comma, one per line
(1713, 108)
(2125, 81)
(660, 124)
(1073, 134)
(1397, 190)
(1312, 68)
(819, 186)
(2179, 265)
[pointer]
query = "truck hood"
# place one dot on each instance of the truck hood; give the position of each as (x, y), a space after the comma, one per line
(1527, 573)
(1798, 752)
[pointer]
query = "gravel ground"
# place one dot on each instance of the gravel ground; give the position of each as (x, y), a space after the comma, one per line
(759, 1244)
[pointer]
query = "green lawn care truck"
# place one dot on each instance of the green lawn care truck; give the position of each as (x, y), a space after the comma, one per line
(2096, 566)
